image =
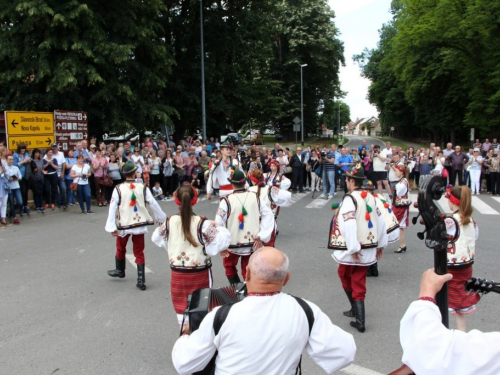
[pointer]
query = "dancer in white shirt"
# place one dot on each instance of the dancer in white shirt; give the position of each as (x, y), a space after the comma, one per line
(220, 173)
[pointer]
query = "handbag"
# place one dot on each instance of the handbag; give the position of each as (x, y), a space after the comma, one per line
(444, 173)
(73, 187)
(288, 169)
(106, 180)
(402, 202)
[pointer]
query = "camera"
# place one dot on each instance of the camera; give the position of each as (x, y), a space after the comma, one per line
(323, 154)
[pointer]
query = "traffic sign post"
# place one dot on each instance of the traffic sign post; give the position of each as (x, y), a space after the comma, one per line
(296, 128)
(31, 128)
(71, 128)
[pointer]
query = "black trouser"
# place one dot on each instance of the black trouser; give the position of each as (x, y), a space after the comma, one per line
(417, 177)
(25, 185)
(51, 182)
(307, 176)
(487, 176)
(495, 182)
(298, 178)
(92, 186)
(109, 190)
(168, 185)
(448, 168)
(454, 174)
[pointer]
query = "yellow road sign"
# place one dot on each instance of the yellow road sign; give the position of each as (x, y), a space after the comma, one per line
(29, 123)
(31, 141)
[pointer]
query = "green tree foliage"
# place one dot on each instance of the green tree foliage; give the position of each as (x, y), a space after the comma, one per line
(306, 34)
(137, 64)
(443, 57)
(103, 57)
(330, 116)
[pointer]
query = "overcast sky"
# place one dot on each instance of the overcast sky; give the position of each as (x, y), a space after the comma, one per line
(358, 22)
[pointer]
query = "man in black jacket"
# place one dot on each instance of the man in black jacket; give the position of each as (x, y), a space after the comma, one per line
(297, 171)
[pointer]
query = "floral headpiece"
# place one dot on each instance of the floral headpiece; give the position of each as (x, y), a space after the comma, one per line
(451, 197)
(195, 197)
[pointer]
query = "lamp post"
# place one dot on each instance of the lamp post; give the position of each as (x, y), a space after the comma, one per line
(203, 110)
(338, 124)
(302, 105)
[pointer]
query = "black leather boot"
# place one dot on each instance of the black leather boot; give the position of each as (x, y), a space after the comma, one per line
(359, 324)
(374, 269)
(352, 312)
(120, 269)
(234, 279)
(369, 273)
(141, 277)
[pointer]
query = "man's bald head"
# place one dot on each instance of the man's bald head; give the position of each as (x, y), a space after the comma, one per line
(269, 265)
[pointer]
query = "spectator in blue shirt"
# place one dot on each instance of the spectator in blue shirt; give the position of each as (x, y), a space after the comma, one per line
(345, 161)
(363, 146)
(80, 151)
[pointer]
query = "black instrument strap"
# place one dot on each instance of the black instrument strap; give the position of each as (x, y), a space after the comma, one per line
(223, 311)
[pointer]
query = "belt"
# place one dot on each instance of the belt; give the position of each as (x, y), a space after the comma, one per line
(226, 187)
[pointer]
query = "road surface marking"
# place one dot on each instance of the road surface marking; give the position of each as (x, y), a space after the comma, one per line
(358, 370)
(482, 207)
(297, 197)
(318, 203)
(131, 259)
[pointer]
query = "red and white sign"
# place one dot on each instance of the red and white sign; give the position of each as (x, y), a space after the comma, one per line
(71, 127)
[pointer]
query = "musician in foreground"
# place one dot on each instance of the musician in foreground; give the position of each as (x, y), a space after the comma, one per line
(430, 348)
(267, 331)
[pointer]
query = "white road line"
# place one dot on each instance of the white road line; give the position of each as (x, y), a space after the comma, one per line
(318, 203)
(496, 198)
(297, 197)
(482, 207)
(358, 370)
(131, 259)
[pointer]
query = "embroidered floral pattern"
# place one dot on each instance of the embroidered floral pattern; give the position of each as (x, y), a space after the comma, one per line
(210, 234)
(275, 190)
(222, 213)
(349, 215)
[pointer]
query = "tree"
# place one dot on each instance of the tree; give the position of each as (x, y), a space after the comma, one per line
(104, 58)
(331, 112)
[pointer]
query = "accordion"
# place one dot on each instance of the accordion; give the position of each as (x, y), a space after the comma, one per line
(202, 301)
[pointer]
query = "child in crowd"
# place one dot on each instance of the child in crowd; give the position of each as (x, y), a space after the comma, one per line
(198, 180)
(158, 192)
(138, 177)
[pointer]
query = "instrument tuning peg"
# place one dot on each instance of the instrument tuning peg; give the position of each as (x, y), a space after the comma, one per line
(422, 221)
(414, 220)
(415, 204)
(420, 235)
(443, 216)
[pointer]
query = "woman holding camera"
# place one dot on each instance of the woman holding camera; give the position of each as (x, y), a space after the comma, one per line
(51, 180)
(80, 173)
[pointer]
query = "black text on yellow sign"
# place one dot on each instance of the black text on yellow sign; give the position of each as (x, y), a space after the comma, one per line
(29, 123)
(30, 141)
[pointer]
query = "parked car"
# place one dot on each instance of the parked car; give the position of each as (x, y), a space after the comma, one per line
(115, 137)
(235, 137)
(279, 137)
(269, 132)
(257, 139)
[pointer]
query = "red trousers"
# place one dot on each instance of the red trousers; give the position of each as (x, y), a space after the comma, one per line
(353, 279)
(231, 262)
(138, 242)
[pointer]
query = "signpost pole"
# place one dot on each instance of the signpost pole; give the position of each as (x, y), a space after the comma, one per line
(301, 106)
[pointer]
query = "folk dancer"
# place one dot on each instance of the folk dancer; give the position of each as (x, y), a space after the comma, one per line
(220, 171)
(401, 204)
(249, 221)
(128, 216)
(190, 241)
(461, 253)
(274, 178)
(357, 236)
(391, 222)
(273, 196)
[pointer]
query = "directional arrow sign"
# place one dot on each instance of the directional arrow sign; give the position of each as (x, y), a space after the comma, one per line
(31, 142)
(33, 129)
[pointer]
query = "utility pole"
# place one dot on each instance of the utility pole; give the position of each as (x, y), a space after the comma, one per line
(302, 105)
(203, 110)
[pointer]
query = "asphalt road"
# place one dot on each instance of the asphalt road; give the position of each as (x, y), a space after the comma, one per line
(62, 314)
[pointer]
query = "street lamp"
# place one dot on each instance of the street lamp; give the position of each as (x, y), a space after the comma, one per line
(203, 110)
(302, 105)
